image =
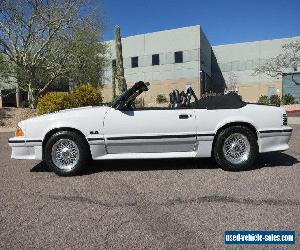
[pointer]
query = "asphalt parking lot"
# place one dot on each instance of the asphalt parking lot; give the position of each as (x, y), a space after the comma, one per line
(147, 204)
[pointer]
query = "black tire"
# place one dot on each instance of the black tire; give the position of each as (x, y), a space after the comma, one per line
(223, 161)
(82, 153)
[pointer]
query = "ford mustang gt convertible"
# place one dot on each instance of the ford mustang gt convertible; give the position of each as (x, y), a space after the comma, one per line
(223, 127)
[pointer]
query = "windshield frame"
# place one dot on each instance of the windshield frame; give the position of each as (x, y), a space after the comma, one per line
(130, 95)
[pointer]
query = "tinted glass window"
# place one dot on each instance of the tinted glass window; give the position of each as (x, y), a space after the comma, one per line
(155, 59)
(178, 57)
(134, 62)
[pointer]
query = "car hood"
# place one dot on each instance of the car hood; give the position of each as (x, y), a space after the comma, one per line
(68, 114)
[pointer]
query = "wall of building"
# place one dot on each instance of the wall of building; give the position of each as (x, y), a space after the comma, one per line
(241, 59)
(158, 87)
(205, 53)
(164, 43)
(168, 75)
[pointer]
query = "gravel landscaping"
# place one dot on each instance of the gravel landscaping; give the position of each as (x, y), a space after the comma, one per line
(9, 117)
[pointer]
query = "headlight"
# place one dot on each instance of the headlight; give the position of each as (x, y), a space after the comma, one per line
(19, 132)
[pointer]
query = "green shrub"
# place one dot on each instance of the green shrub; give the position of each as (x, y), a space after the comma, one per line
(51, 102)
(263, 99)
(161, 98)
(288, 99)
(139, 102)
(85, 95)
(275, 100)
(210, 93)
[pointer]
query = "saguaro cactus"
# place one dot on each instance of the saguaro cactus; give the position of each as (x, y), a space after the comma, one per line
(122, 86)
(113, 80)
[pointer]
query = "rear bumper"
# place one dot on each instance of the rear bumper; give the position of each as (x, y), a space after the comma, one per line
(274, 139)
(26, 148)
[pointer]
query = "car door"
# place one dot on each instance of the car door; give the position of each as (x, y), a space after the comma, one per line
(150, 131)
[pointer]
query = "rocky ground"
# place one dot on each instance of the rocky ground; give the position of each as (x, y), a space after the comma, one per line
(9, 117)
(147, 204)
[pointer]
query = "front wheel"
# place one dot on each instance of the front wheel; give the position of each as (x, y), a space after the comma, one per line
(236, 148)
(66, 153)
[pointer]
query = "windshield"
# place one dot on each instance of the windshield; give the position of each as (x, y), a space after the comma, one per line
(117, 99)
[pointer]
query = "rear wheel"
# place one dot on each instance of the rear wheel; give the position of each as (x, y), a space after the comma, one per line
(236, 148)
(66, 153)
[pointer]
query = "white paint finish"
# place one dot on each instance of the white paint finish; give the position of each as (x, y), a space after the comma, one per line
(211, 120)
(84, 119)
(172, 155)
(274, 142)
(97, 150)
(149, 123)
(113, 123)
(27, 152)
(204, 148)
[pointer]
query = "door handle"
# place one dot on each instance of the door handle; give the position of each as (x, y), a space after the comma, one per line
(183, 116)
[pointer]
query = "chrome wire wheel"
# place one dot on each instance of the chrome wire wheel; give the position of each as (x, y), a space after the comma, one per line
(236, 148)
(65, 154)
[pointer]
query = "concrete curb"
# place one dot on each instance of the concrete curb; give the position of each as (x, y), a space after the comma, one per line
(7, 130)
(293, 120)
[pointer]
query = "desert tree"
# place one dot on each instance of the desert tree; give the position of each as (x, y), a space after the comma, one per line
(48, 40)
(285, 62)
(231, 81)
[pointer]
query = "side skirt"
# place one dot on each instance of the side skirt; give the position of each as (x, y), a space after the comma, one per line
(147, 155)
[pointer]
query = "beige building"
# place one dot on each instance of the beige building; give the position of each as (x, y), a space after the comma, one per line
(171, 59)
(178, 58)
(237, 62)
(175, 59)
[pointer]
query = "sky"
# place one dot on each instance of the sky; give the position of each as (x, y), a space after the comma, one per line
(223, 21)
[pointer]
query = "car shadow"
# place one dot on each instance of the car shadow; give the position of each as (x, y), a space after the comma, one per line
(272, 159)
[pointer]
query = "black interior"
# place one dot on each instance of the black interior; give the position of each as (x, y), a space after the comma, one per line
(178, 100)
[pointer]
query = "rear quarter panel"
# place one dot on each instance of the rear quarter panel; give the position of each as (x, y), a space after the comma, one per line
(261, 117)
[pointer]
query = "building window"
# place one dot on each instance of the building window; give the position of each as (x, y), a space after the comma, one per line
(134, 62)
(155, 59)
(178, 56)
(113, 63)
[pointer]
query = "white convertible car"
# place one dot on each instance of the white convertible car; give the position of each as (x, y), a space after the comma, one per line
(225, 127)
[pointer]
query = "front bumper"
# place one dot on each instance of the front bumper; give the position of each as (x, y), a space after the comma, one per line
(274, 139)
(23, 148)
